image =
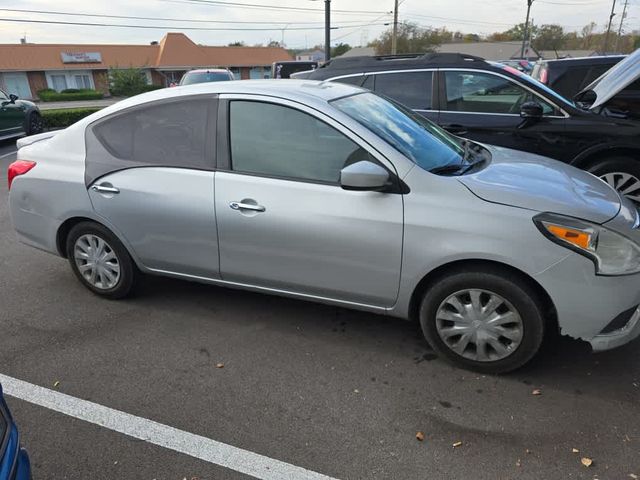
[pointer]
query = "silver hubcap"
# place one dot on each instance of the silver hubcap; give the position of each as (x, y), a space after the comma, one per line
(625, 183)
(96, 261)
(479, 325)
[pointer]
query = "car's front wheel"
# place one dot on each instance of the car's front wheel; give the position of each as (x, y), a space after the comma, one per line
(622, 173)
(489, 320)
(100, 261)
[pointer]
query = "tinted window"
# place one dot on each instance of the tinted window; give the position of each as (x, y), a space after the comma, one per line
(273, 140)
(486, 93)
(368, 82)
(163, 134)
(412, 135)
(412, 89)
(204, 77)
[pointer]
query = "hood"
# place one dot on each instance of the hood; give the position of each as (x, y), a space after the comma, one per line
(614, 80)
(538, 183)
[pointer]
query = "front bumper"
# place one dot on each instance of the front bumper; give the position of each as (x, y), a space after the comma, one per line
(607, 341)
(587, 303)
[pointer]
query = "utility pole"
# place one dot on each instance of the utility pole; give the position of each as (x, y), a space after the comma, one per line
(624, 15)
(526, 28)
(394, 38)
(606, 37)
(327, 30)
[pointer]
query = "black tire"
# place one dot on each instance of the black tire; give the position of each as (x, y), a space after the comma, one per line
(128, 272)
(35, 124)
(620, 165)
(504, 283)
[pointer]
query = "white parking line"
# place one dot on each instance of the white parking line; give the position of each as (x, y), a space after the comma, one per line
(203, 448)
(8, 154)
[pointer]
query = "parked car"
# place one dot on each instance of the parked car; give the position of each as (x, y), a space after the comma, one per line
(206, 75)
(328, 192)
(496, 104)
(18, 117)
(14, 460)
(287, 68)
(569, 76)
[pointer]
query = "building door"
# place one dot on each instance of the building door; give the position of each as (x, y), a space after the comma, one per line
(18, 84)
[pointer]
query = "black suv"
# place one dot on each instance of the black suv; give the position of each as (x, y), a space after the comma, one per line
(496, 104)
(569, 76)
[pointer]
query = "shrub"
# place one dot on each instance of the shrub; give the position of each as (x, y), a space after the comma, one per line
(49, 95)
(62, 118)
(128, 82)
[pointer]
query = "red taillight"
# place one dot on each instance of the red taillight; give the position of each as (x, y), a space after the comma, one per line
(19, 167)
(544, 75)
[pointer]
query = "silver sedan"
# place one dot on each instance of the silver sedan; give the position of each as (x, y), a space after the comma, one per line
(327, 192)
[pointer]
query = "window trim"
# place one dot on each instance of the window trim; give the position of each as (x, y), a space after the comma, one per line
(223, 142)
(443, 92)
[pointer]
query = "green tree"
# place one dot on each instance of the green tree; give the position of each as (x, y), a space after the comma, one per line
(549, 37)
(412, 38)
(127, 82)
(340, 49)
(237, 44)
(517, 32)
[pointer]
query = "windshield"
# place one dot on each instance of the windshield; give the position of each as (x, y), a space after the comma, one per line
(528, 79)
(414, 136)
(203, 77)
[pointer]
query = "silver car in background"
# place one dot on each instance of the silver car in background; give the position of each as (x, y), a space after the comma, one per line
(327, 192)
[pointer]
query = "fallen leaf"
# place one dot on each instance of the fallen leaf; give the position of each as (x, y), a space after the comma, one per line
(527, 451)
(419, 436)
(457, 444)
(356, 391)
(586, 461)
(56, 383)
(219, 365)
(518, 464)
(536, 392)
(575, 450)
(634, 476)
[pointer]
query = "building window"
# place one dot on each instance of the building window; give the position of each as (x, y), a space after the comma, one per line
(83, 81)
(236, 73)
(59, 82)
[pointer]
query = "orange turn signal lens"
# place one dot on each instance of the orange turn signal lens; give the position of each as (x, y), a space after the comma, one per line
(579, 238)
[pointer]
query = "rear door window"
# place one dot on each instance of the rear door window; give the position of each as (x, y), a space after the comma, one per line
(169, 134)
(412, 89)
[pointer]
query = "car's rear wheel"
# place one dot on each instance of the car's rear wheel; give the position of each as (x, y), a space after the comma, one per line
(622, 173)
(100, 261)
(489, 321)
(35, 124)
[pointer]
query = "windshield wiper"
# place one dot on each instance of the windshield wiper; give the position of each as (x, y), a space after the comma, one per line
(451, 168)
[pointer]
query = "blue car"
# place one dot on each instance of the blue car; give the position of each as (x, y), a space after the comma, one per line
(14, 461)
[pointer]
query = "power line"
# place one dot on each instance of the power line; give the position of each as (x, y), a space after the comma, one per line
(220, 3)
(131, 17)
(165, 27)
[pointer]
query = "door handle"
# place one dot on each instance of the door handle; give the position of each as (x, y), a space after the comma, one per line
(455, 129)
(105, 189)
(246, 206)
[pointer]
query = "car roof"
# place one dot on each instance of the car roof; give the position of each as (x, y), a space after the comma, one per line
(360, 64)
(305, 91)
(595, 60)
(208, 70)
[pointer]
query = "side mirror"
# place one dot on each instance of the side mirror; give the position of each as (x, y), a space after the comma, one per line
(364, 175)
(13, 97)
(531, 110)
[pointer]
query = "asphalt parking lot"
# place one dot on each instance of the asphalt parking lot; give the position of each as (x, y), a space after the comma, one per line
(333, 391)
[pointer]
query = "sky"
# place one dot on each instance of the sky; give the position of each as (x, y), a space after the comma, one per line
(357, 21)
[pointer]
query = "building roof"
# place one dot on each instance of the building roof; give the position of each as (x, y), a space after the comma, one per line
(489, 50)
(175, 50)
(553, 54)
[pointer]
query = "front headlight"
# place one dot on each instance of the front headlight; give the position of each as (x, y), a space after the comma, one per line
(612, 253)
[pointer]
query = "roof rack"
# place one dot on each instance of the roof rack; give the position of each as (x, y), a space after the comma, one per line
(417, 58)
